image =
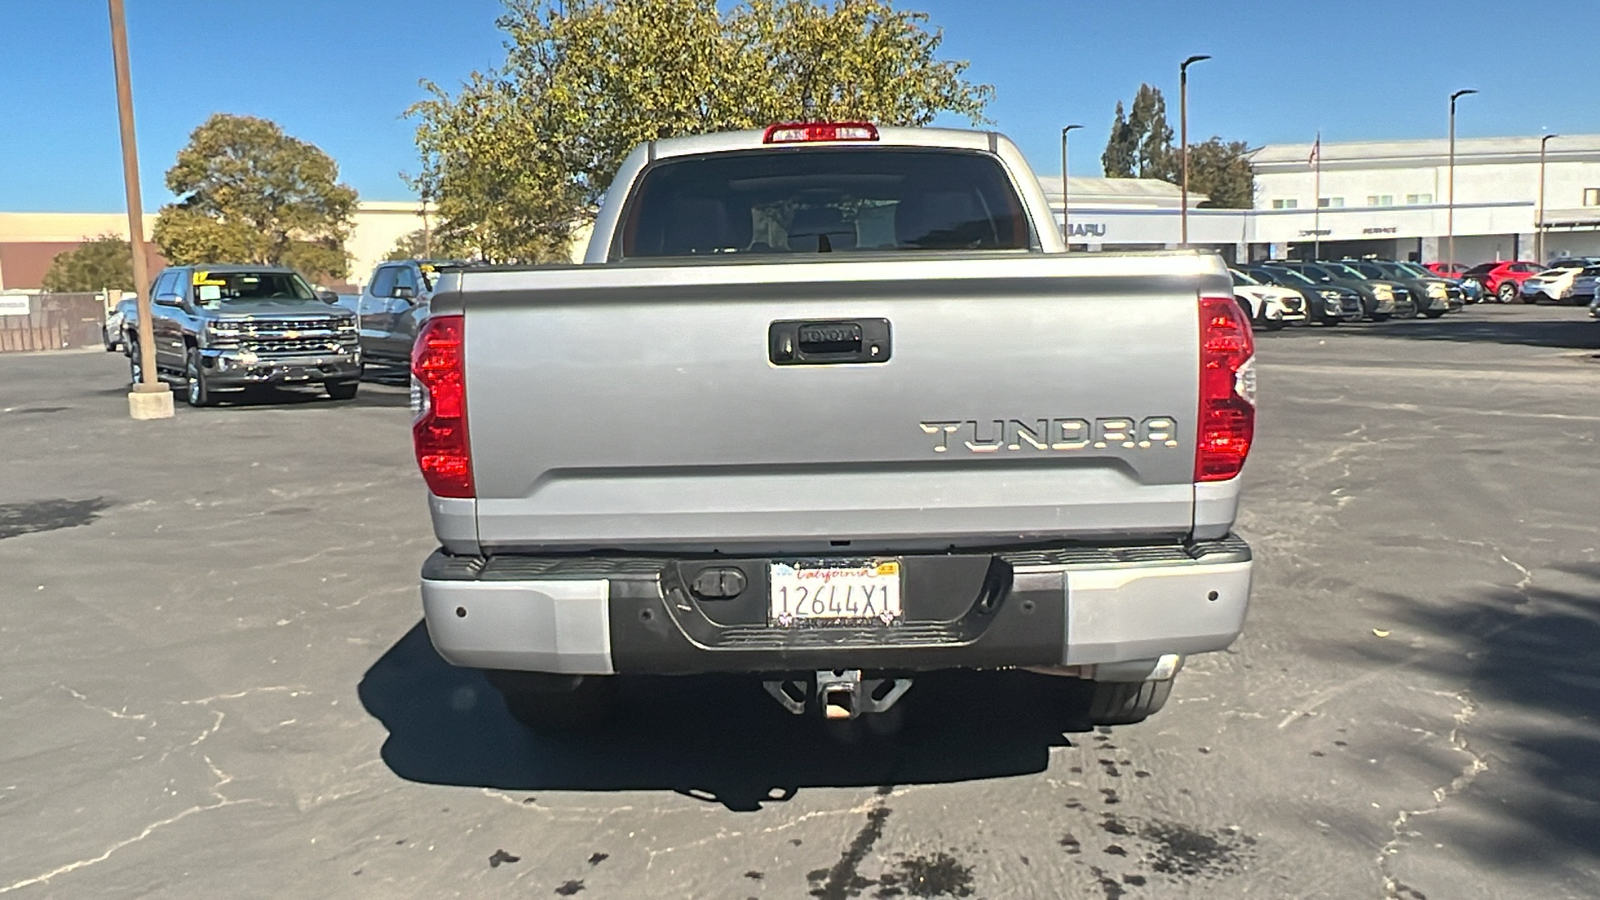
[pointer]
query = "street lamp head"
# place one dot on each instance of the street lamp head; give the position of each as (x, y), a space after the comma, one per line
(1461, 93)
(1069, 128)
(1191, 61)
(1546, 139)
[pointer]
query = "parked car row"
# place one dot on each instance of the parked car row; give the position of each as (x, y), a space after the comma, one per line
(1277, 292)
(1568, 280)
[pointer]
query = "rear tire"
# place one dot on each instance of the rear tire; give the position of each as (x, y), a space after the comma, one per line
(1433, 313)
(1507, 293)
(556, 704)
(135, 366)
(1124, 703)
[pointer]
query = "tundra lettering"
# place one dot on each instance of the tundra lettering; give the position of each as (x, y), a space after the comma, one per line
(994, 435)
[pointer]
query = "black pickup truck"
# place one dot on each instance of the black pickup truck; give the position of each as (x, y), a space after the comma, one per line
(220, 328)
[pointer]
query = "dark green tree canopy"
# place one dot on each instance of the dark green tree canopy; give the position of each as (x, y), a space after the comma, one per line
(520, 155)
(1141, 146)
(1121, 148)
(1221, 170)
(251, 193)
(102, 263)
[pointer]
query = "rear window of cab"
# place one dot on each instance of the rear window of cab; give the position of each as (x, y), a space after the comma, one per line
(824, 200)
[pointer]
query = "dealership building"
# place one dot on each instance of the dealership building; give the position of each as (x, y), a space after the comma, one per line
(1388, 199)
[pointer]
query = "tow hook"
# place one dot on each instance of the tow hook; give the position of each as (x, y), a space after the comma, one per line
(840, 694)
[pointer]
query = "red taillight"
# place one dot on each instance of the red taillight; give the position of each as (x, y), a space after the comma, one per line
(1227, 421)
(439, 404)
(810, 132)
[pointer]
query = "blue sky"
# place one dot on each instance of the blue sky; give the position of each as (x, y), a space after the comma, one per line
(339, 73)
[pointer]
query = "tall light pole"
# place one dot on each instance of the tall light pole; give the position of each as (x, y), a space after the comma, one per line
(1450, 210)
(1183, 139)
(1066, 230)
(148, 398)
(1538, 241)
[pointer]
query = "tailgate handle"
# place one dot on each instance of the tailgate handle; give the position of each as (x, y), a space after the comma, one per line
(796, 342)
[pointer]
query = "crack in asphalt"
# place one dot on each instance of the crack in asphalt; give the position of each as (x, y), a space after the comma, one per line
(113, 713)
(1393, 887)
(216, 791)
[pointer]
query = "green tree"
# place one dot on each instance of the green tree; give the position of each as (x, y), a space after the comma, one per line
(250, 193)
(1122, 147)
(414, 245)
(1155, 157)
(520, 155)
(1141, 146)
(1221, 170)
(105, 262)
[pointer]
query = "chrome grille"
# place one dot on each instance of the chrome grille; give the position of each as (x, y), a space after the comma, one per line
(298, 337)
(300, 347)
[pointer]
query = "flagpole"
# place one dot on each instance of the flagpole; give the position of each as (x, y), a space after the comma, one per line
(1316, 200)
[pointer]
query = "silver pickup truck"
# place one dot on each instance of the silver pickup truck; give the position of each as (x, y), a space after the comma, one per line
(830, 405)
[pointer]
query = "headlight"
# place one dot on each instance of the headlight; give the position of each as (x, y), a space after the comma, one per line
(1437, 290)
(1329, 295)
(228, 331)
(1383, 292)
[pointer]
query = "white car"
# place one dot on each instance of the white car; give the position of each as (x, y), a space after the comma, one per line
(1552, 284)
(1270, 307)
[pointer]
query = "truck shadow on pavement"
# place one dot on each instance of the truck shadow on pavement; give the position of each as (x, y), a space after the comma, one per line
(1530, 663)
(280, 398)
(716, 738)
(391, 375)
(1576, 334)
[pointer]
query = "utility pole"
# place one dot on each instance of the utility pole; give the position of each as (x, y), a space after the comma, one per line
(1066, 229)
(1450, 209)
(148, 398)
(1538, 240)
(1183, 138)
(1316, 199)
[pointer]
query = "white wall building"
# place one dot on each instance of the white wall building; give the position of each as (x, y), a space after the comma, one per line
(1387, 199)
(1392, 198)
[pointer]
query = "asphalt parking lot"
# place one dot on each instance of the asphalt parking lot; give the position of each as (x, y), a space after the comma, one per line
(215, 681)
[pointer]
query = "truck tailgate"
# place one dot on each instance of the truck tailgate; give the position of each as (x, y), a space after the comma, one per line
(1024, 397)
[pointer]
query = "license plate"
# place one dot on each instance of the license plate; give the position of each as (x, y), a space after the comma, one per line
(856, 593)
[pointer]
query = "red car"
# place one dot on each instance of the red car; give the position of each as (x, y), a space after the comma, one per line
(1447, 269)
(1503, 280)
